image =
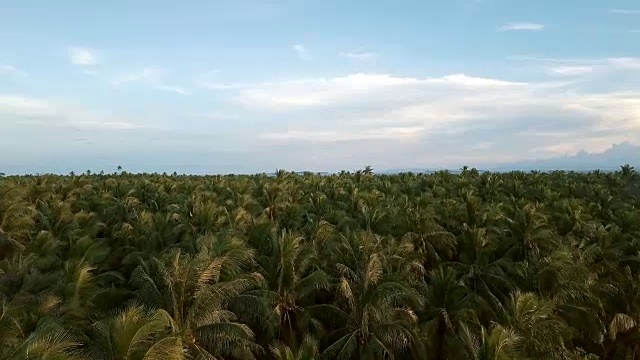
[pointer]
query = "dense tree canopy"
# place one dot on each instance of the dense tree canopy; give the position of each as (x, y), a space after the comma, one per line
(305, 266)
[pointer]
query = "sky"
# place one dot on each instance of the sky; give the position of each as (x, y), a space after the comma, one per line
(322, 85)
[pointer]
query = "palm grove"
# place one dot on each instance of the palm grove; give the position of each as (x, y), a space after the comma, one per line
(303, 266)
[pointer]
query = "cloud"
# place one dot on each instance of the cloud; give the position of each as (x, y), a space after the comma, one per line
(11, 70)
(584, 67)
(204, 79)
(105, 125)
(25, 110)
(90, 72)
(152, 76)
(347, 120)
(175, 89)
(333, 136)
(82, 56)
(360, 55)
(551, 59)
(302, 51)
(567, 70)
(316, 92)
(483, 145)
(523, 26)
(220, 86)
(148, 74)
(473, 82)
(625, 63)
(625, 11)
(212, 72)
(395, 120)
(25, 106)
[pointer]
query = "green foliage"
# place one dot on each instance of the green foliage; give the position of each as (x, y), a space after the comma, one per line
(477, 266)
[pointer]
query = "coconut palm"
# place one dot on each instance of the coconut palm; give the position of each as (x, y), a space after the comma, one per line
(49, 341)
(448, 306)
(497, 343)
(543, 333)
(292, 274)
(372, 315)
(308, 351)
(195, 290)
(136, 333)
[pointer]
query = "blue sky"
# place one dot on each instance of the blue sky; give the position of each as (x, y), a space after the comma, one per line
(249, 86)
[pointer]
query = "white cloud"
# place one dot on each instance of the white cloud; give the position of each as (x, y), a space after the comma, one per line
(25, 110)
(522, 26)
(25, 106)
(576, 67)
(220, 86)
(551, 60)
(618, 111)
(106, 125)
(333, 136)
(562, 149)
(90, 72)
(463, 80)
(352, 83)
(152, 76)
(385, 119)
(216, 115)
(82, 56)
(625, 11)
(11, 70)
(567, 70)
(331, 91)
(302, 51)
(175, 89)
(483, 145)
(625, 62)
(148, 74)
(409, 116)
(359, 55)
(206, 78)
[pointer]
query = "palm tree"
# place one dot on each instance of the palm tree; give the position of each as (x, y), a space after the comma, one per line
(481, 271)
(292, 274)
(529, 232)
(497, 343)
(136, 333)
(542, 332)
(624, 330)
(49, 341)
(372, 315)
(10, 329)
(308, 351)
(449, 306)
(16, 218)
(195, 290)
(80, 292)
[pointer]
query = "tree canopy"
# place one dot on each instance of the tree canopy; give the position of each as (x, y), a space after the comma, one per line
(355, 265)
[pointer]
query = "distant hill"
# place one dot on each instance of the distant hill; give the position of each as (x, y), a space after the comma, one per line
(414, 170)
(611, 159)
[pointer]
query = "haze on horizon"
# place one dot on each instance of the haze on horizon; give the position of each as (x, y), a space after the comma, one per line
(251, 86)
